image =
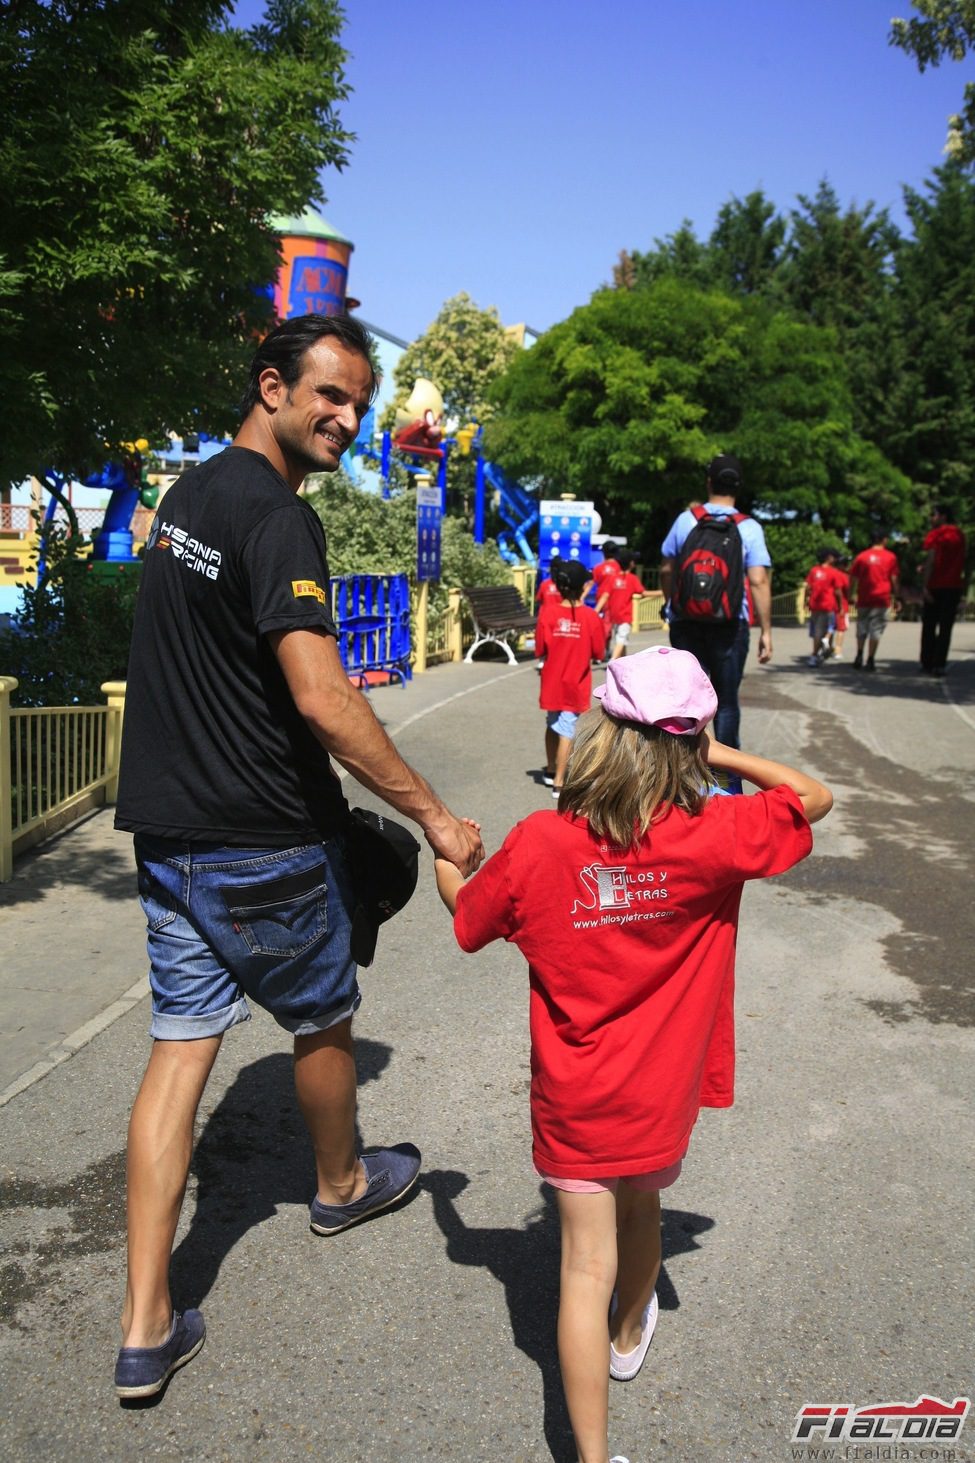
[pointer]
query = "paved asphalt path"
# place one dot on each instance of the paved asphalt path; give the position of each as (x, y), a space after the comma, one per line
(817, 1247)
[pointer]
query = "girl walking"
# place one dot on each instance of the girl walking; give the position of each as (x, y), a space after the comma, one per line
(625, 903)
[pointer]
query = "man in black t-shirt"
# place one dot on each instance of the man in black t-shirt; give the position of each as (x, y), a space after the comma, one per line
(236, 699)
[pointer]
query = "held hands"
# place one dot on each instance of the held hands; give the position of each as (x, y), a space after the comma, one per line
(458, 840)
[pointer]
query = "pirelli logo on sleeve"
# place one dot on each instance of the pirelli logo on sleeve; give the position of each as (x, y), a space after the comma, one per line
(307, 589)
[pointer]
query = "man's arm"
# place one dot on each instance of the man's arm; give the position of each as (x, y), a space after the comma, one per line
(761, 588)
(927, 569)
(344, 723)
(666, 575)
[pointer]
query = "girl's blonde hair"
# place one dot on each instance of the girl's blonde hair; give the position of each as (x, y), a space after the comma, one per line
(621, 773)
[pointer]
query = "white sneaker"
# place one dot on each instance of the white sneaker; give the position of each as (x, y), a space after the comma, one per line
(618, 1458)
(623, 1366)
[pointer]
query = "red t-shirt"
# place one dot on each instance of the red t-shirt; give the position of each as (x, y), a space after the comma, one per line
(948, 543)
(873, 571)
(623, 589)
(547, 590)
(608, 566)
(631, 969)
(570, 637)
(842, 589)
(821, 583)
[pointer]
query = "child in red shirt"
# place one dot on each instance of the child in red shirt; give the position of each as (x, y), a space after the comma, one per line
(625, 903)
(547, 590)
(616, 595)
(569, 636)
(821, 602)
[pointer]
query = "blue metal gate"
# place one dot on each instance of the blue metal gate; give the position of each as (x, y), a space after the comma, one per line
(372, 614)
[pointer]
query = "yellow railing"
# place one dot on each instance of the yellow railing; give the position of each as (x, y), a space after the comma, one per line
(56, 763)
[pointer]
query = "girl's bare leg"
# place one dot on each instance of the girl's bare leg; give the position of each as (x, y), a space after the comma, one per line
(638, 1246)
(588, 1272)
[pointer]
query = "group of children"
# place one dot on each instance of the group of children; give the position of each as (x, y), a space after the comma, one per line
(570, 636)
(630, 961)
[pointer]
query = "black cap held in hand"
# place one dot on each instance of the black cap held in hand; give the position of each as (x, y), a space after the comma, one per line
(384, 863)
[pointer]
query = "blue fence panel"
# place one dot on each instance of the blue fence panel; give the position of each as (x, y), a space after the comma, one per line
(372, 615)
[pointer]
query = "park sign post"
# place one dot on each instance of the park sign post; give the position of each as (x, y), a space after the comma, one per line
(429, 518)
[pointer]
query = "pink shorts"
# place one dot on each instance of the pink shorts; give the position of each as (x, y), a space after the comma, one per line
(661, 1178)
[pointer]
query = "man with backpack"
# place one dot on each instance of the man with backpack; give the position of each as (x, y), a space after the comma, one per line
(708, 555)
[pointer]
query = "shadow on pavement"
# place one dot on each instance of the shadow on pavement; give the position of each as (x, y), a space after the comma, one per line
(526, 1262)
(898, 678)
(67, 862)
(253, 1155)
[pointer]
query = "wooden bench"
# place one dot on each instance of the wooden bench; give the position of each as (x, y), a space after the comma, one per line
(499, 616)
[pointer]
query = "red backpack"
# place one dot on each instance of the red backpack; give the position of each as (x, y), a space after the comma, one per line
(709, 577)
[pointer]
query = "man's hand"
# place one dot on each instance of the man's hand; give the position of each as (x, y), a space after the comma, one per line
(764, 647)
(458, 840)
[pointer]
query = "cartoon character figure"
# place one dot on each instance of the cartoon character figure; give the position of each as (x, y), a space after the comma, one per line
(419, 423)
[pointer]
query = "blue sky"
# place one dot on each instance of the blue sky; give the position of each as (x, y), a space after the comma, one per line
(511, 149)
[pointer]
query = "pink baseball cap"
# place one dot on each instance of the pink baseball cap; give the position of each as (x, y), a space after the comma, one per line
(659, 687)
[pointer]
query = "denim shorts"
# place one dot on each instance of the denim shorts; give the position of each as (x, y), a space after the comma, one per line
(563, 723)
(227, 923)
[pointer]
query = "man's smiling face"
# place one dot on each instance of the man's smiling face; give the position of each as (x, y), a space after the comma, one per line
(317, 419)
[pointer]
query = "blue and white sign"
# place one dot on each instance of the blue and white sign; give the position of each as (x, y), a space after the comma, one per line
(429, 517)
(565, 531)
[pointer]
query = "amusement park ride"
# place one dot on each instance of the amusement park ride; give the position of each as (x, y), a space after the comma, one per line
(313, 277)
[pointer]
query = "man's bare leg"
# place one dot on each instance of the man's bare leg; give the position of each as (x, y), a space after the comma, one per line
(159, 1152)
(325, 1082)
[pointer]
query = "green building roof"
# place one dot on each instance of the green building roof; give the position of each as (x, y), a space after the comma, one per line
(310, 225)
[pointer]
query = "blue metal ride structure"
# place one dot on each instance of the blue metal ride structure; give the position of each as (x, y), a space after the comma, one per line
(516, 505)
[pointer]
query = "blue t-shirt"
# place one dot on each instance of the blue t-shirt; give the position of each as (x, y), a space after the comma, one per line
(754, 553)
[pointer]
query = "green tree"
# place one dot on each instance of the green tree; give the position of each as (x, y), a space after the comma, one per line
(680, 254)
(933, 414)
(946, 32)
(143, 146)
(462, 351)
(837, 270)
(746, 244)
(626, 401)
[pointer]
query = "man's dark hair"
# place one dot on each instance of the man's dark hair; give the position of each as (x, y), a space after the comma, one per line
(609, 548)
(946, 511)
(285, 348)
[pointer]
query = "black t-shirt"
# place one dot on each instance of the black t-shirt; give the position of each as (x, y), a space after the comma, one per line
(213, 747)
